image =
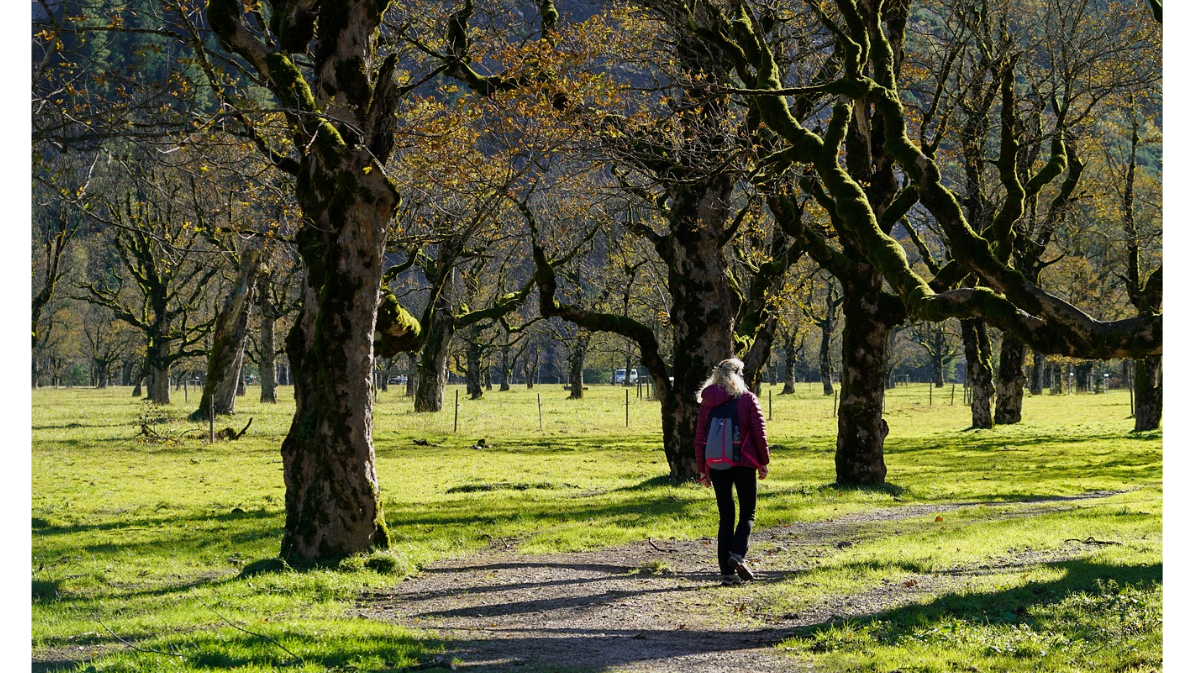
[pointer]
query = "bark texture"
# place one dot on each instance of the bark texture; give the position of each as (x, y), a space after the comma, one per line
(332, 498)
(979, 371)
(859, 455)
(1011, 381)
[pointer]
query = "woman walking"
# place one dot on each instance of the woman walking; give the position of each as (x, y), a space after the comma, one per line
(724, 395)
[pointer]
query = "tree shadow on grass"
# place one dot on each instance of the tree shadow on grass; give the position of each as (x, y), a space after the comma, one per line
(1008, 606)
(46, 528)
(550, 513)
(660, 481)
(887, 488)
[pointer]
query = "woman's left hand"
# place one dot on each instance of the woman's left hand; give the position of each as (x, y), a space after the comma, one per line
(763, 471)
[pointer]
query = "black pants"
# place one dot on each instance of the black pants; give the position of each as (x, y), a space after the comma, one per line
(733, 533)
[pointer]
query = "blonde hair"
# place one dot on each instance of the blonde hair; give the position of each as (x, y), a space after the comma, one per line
(728, 375)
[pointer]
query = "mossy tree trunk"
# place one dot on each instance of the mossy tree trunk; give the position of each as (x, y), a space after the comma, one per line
(702, 314)
(1010, 381)
(860, 441)
(978, 370)
(332, 496)
(341, 113)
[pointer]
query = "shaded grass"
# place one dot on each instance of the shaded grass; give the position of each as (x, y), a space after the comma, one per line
(142, 538)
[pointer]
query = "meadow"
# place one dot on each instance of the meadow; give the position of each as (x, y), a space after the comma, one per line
(160, 553)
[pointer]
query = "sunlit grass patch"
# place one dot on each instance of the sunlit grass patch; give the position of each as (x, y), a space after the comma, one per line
(161, 542)
(1101, 625)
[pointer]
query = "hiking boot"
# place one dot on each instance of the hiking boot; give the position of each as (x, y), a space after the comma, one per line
(741, 566)
(730, 580)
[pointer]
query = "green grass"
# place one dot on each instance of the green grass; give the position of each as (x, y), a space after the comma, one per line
(171, 544)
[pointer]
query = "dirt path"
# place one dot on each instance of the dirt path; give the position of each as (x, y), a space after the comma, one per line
(653, 606)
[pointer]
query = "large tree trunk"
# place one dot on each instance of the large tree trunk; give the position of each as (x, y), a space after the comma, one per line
(702, 316)
(1011, 379)
(859, 458)
(1149, 393)
(432, 374)
(332, 500)
(158, 385)
(979, 370)
(937, 371)
(577, 363)
(268, 373)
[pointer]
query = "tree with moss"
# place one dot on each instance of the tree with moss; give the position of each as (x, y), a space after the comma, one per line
(868, 38)
(337, 93)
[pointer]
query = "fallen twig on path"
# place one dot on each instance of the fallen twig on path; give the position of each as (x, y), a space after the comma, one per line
(1090, 540)
(654, 546)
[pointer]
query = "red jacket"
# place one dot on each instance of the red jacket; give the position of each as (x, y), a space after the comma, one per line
(750, 420)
